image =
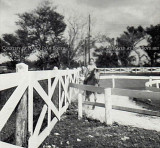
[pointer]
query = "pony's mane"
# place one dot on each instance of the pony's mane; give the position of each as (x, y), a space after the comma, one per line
(91, 77)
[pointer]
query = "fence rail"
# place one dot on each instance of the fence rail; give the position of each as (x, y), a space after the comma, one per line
(153, 85)
(26, 82)
(108, 92)
(130, 70)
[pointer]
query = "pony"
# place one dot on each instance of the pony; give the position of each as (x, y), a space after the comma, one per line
(92, 79)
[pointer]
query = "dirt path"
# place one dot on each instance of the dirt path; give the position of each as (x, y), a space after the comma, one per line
(122, 117)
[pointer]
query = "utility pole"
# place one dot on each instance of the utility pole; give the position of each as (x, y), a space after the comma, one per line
(85, 53)
(89, 32)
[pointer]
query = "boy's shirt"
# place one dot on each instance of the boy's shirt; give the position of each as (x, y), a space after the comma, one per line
(91, 67)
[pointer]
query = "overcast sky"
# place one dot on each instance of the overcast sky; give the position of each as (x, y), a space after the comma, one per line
(110, 17)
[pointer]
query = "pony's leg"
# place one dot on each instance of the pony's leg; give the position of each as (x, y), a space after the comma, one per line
(95, 99)
(87, 96)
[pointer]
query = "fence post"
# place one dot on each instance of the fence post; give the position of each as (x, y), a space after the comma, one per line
(49, 101)
(108, 106)
(150, 80)
(157, 85)
(70, 89)
(21, 112)
(79, 106)
(55, 68)
(113, 81)
(30, 108)
(59, 94)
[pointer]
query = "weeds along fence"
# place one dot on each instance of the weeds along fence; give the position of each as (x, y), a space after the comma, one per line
(108, 92)
(38, 100)
(130, 70)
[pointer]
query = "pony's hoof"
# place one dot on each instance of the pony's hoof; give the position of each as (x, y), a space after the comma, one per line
(93, 107)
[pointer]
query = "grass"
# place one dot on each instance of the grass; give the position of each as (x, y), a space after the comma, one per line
(87, 133)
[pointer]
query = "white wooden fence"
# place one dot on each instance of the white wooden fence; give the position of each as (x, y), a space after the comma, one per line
(130, 70)
(28, 81)
(153, 85)
(114, 77)
(152, 91)
(108, 92)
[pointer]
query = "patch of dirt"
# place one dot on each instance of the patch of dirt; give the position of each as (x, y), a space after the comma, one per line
(70, 132)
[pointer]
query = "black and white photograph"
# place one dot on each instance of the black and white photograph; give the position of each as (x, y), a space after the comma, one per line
(79, 73)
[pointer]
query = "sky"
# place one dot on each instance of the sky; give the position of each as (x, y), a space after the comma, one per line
(109, 17)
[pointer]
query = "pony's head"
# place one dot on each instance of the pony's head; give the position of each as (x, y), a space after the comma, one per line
(93, 78)
(96, 74)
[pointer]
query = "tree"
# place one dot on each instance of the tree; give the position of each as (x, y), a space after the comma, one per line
(15, 47)
(11, 48)
(105, 52)
(128, 40)
(44, 27)
(76, 34)
(104, 59)
(154, 42)
(2, 45)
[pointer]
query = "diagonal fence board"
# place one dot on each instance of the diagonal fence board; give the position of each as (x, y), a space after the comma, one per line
(54, 85)
(44, 96)
(6, 145)
(40, 120)
(62, 99)
(31, 80)
(64, 87)
(11, 104)
(35, 141)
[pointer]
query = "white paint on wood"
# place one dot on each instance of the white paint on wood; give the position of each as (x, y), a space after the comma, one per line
(113, 82)
(30, 106)
(7, 145)
(44, 96)
(35, 141)
(24, 79)
(40, 120)
(49, 100)
(11, 80)
(10, 105)
(21, 112)
(129, 70)
(108, 106)
(80, 106)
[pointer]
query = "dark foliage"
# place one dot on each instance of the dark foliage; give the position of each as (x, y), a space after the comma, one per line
(154, 42)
